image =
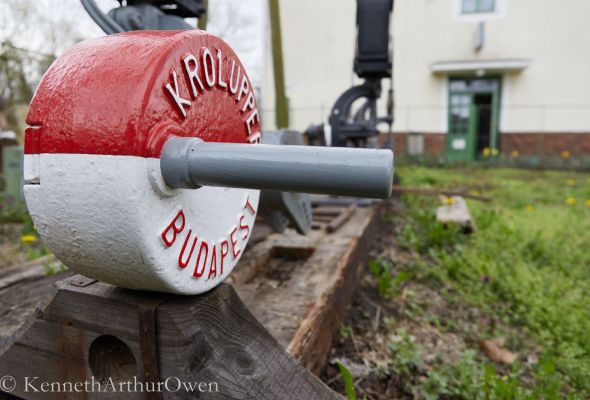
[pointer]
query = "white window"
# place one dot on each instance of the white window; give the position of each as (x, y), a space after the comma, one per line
(470, 11)
(477, 6)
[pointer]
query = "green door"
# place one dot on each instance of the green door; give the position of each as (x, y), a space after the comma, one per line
(460, 141)
(473, 118)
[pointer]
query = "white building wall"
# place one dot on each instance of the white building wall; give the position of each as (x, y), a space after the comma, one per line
(551, 95)
(318, 50)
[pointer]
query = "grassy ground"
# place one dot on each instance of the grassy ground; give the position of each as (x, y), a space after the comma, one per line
(19, 241)
(436, 296)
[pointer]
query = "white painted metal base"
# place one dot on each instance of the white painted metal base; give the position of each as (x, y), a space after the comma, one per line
(112, 218)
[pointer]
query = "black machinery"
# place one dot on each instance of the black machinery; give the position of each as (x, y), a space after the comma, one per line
(354, 118)
(146, 15)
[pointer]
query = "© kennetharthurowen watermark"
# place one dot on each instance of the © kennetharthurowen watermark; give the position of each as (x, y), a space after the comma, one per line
(34, 384)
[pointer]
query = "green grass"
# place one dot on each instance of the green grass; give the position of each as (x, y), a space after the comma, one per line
(348, 380)
(528, 263)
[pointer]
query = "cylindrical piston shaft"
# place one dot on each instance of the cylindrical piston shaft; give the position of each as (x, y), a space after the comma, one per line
(192, 163)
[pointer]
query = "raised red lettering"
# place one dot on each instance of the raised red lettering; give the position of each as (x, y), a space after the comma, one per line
(249, 206)
(183, 264)
(233, 242)
(197, 273)
(213, 264)
(244, 226)
(223, 253)
(174, 228)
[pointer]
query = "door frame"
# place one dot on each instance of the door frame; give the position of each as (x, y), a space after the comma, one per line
(473, 120)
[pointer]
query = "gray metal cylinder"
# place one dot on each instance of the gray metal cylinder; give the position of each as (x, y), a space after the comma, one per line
(192, 163)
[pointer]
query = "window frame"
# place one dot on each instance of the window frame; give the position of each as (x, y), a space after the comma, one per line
(478, 9)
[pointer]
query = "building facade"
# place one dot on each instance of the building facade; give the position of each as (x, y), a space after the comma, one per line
(470, 76)
(511, 75)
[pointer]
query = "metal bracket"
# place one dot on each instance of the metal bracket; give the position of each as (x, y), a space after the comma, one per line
(148, 343)
(82, 281)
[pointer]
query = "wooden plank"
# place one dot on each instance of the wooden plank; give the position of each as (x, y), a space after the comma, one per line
(293, 252)
(21, 301)
(253, 260)
(317, 225)
(324, 218)
(30, 270)
(327, 210)
(312, 341)
(301, 302)
(209, 338)
(341, 218)
(455, 212)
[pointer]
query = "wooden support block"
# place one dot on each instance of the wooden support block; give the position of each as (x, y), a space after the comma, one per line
(297, 286)
(324, 218)
(455, 212)
(302, 302)
(317, 225)
(99, 331)
(21, 301)
(341, 218)
(327, 210)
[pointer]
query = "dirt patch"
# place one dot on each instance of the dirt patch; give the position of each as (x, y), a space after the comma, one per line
(393, 345)
(372, 327)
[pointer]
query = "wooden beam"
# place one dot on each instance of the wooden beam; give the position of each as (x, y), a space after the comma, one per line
(302, 302)
(281, 110)
(210, 338)
(30, 270)
(438, 192)
(202, 22)
(455, 212)
(344, 216)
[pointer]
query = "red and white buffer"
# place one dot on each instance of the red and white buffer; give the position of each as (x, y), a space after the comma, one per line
(93, 184)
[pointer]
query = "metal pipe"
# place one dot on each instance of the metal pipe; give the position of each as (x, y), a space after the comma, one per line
(192, 163)
(105, 22)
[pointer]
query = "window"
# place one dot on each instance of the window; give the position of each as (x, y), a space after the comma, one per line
(460, 108)
(477, 6)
